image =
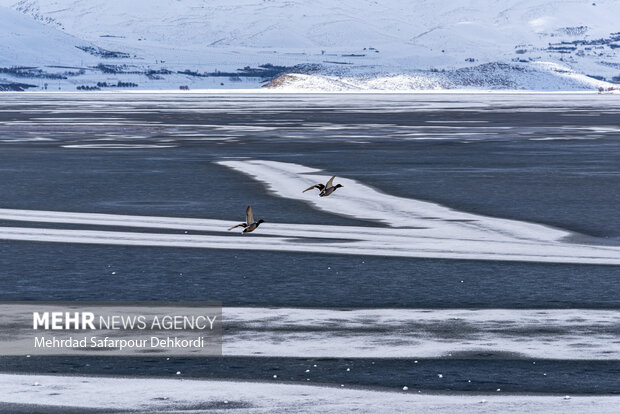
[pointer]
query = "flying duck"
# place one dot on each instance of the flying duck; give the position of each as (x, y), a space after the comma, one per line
(326, 189)
(250, 225)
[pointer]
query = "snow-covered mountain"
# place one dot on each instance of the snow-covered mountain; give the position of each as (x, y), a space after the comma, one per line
(349, 44)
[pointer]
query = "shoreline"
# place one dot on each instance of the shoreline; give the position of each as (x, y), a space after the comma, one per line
(285, 91)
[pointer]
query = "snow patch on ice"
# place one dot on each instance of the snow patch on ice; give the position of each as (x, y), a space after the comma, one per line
(421, 333)
(416, 228)
(204, 396)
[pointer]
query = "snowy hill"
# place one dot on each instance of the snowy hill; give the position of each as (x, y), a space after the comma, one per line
(364, 44)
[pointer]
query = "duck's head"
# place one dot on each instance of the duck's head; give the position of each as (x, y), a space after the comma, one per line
(339, 185)
(260, 221)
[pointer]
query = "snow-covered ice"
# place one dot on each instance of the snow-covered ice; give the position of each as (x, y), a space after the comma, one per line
(150, 394)
(414, 228)
(577, 334)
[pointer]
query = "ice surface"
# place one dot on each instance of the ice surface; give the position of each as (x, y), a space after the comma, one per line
(578, 334)
(414, 228)
(148, 395)
(423, 226)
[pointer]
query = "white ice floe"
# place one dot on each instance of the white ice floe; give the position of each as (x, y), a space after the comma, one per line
(150, 394)
(560, 334)
(437, 230)
(363, 202)
(421, 333)
(117, 146)
(416, 228)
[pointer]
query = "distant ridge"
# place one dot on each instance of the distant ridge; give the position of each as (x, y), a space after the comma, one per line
(352, 44)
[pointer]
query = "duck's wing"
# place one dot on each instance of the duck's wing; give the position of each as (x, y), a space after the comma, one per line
(249, 216)
(244, 225)
(319, 186)
(330, 183)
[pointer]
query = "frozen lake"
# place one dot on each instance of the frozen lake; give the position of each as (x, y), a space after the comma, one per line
(503, 203)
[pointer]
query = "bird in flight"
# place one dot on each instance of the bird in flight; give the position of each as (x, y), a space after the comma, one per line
(250, 225)
(326, 189)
